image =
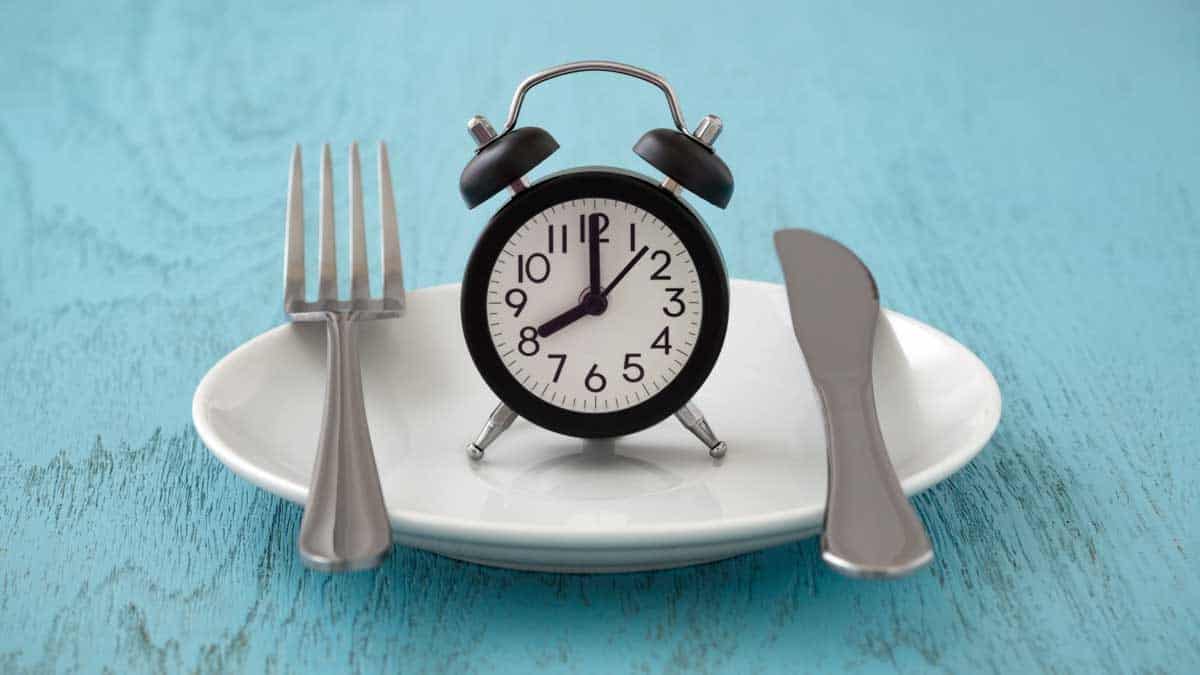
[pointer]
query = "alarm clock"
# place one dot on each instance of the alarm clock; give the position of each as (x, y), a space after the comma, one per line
(595, 302)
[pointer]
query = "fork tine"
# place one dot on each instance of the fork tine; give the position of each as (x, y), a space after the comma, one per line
(293, 257)
(360, 284)
(393, 272)
(328, 289)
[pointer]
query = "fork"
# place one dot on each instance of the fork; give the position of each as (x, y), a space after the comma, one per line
(345, 525)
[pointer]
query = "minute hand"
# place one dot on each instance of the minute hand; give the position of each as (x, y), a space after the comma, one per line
(625, 270)
(594, 252)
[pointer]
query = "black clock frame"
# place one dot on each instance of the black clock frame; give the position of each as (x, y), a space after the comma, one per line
(598, 183)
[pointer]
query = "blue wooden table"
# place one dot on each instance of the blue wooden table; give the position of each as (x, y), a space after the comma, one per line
(1023, 175)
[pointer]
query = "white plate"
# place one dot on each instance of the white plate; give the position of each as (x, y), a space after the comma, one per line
(549, 502)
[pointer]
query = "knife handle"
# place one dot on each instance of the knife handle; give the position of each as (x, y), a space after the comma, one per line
(871, 530)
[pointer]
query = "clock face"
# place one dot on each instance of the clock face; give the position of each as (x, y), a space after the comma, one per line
(594, 305)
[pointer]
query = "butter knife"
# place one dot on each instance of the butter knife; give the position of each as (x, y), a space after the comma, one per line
(871, 530)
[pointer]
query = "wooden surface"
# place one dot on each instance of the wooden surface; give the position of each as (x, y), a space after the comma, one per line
(1023, 175)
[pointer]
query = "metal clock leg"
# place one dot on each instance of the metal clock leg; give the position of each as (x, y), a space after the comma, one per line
(498, 422)
(691, 417)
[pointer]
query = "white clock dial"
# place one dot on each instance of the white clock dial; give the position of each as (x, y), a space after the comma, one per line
(578, 349)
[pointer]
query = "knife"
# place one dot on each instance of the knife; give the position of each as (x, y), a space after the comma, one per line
(871, 531)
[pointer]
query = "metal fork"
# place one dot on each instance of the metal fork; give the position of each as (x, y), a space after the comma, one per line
(345, 525)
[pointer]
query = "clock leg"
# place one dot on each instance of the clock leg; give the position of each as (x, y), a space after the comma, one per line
(498, 422)
(691, 417)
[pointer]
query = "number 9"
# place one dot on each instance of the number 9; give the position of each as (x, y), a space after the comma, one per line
(517, 304)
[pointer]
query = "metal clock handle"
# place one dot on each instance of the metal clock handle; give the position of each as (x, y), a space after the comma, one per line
(514, 110)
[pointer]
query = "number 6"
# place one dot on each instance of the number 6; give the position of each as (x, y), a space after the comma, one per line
(587, 381)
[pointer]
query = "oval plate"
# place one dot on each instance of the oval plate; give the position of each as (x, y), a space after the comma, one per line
(543, 501)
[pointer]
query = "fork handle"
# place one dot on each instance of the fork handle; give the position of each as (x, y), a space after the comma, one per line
(345, 525)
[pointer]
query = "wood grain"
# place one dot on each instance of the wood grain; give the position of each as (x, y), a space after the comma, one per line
(1023, 175)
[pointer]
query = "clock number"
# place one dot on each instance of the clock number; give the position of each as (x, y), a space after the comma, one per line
(601, 221)
(550, 235)
(528, 337)
(537, 273)
(518, 303)
(629, 364)
(593, 376)
(562, 360)
(663, 341)
(632, 237)
(674, 302)
(658, 275)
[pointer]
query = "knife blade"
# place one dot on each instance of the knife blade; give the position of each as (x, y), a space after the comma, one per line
(871, 530)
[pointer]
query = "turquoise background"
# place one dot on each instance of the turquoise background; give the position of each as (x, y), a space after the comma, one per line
(1024, 175)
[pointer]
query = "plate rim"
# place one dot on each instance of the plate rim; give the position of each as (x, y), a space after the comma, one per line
(556, 537)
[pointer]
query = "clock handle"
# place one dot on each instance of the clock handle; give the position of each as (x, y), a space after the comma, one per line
(514, 110)
(498, 422)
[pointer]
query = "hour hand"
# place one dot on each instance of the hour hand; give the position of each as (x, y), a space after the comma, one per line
(563, 320)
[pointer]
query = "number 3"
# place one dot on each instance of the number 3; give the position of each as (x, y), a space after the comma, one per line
(674, 302)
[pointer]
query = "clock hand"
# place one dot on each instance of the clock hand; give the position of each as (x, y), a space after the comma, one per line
(628, 266)
(594, 251)
(563, 320)
(593, 302)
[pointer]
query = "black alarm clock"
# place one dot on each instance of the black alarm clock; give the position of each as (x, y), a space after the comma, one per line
(595, 302)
